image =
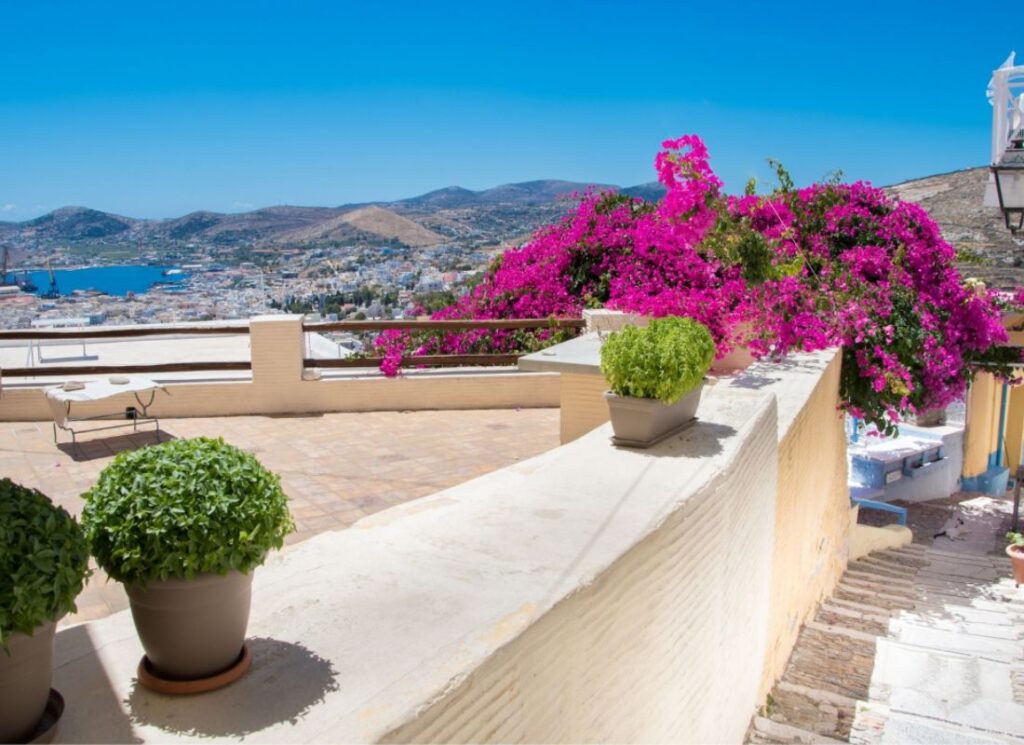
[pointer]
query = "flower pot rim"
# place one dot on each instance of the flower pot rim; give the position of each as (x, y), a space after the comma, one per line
(1015, 551)
(610, 395)
(203, 578)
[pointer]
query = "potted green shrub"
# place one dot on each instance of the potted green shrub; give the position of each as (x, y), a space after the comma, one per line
(183, 525)
(656, 375)
(1016, 553)
(43, 565)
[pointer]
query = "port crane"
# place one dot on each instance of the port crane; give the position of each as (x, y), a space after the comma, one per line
(53, 292)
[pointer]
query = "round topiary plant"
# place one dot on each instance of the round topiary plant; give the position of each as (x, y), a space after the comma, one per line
(183, 508)
(43, 560)
(664, 360)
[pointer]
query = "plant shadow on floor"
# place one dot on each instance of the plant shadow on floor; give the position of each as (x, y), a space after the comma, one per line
(285, 682)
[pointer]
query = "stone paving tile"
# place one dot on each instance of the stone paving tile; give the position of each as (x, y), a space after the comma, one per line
(335, 468)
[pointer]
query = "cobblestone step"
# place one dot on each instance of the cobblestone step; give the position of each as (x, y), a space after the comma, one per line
(768, 731)
(870, 623)
(883, 568)
(859, 593)
(935, 612)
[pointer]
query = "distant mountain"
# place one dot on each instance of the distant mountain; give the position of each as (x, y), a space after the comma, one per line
(496, 215)
(371, 219)
(504, 214)
(77, 223)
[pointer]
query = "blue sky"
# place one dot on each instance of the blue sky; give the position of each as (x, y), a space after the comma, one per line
(154, 109)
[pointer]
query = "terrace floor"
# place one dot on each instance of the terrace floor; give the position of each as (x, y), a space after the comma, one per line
(336, 468)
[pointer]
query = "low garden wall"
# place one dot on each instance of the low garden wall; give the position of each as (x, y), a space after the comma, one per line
(276, 386)
(588, 594)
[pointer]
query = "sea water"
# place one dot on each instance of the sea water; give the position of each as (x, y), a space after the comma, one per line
(113, 280)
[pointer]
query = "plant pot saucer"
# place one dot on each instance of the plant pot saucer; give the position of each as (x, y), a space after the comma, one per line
(622, 442)
(46, 730)
(152, 680)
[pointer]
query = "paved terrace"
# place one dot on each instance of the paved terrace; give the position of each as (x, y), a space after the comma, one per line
(336, 468)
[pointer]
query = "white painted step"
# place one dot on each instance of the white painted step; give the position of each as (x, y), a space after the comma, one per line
(955, 689)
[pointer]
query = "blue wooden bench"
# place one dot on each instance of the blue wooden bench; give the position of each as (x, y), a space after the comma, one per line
(864, 497)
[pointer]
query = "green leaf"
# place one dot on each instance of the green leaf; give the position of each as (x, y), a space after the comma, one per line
(183, 508)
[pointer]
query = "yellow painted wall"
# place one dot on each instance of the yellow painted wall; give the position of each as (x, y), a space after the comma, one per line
(1014, 427)
(583, 406)
(980, 437)
(812, 520)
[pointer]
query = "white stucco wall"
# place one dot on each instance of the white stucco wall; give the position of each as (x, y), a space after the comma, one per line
(587, 594)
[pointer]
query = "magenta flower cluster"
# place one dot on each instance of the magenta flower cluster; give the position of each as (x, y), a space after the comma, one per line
(797, 269)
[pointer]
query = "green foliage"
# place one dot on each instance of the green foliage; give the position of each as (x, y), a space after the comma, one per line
(965, 255)
(735, 242)
(182, 508)
(43, 560)
(665, 360)
(785, 180)
(1015, 539)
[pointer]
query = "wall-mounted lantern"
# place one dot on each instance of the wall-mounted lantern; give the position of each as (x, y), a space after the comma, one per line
(1009, 178)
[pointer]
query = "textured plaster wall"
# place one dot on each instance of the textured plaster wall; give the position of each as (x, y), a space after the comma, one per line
(812, 507)
(981, 437)
(583, 406)
(661, 647)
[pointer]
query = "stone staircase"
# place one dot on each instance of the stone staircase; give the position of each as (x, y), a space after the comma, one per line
(915, 645)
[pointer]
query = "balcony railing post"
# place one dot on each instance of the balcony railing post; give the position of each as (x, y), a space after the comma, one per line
(277, 350)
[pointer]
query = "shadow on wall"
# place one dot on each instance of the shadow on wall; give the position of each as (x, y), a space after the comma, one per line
(767, 372)
(285, 682)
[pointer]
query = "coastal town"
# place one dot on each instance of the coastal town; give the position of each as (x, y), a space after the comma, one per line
(334, 283)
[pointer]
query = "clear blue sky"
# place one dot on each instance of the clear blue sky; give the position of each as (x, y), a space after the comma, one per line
(154, 109)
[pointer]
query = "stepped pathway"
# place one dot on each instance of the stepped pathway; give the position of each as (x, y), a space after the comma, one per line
(916, 645)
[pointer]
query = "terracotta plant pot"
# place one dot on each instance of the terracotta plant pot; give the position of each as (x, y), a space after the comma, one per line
(25, 677)
(192, 629)
(642, 422)
(1016, 554)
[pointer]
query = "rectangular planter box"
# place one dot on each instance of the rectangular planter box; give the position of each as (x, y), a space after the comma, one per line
(642, 422)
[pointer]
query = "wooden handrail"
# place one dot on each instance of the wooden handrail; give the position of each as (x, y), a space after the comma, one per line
(117, 332)
(166, 367)
(120, 332)
(432, 360)
(446, 325)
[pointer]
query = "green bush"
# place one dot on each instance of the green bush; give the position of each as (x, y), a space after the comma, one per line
(183, 508)
(665, 360)
(1015, 539)
(44, 560)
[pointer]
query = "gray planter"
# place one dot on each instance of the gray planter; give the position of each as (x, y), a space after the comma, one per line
(25, 676)
(192, 629)
(642, 422)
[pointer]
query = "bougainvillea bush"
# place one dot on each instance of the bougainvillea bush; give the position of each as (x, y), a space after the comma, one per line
(832, 264)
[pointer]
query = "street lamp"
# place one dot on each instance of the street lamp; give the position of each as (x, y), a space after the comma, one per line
(1009, 178)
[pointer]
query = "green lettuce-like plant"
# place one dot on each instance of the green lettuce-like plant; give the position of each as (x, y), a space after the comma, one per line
(664, 360)
(1015, 539)
(44, 560)
(183, 508)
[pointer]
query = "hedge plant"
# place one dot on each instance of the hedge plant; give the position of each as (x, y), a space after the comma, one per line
(664, 360)
(183, 508)
(43, 560)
